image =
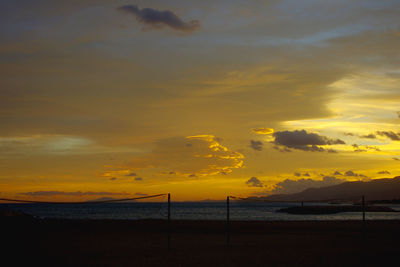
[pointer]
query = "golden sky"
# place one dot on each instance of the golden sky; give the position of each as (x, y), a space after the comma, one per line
(200, 99)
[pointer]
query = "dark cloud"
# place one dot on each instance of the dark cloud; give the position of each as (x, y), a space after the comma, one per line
(397, 159)
(298, 174)
(368, 136)
(78, 193)
(158, 19)
(141, 194)
(138, 179)
(113, 178)
(254, 182)
(304, 141)
(398, 114)
(192, 176)
(337, 173)
(169, 173)
(256, 145)
(383, 172)
(350, 173)
(389, 134)
(289, 186)
(131, 174)
(360, 148)
(373, 148)
(353, 174)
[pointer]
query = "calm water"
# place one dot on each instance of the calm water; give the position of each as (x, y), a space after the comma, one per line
(187, 210)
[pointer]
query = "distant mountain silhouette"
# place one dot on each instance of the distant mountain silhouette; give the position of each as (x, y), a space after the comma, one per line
(378, 189)
(109, 198)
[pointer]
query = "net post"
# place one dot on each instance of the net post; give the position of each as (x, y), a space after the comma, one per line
(169, 221)
(363, 217)
(227, 222)
(363, 208)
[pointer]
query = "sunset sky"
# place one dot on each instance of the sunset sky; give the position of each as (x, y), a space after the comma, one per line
(200, 99)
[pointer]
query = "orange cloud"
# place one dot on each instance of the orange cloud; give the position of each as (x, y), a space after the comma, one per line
(198, 155)
(262, 130)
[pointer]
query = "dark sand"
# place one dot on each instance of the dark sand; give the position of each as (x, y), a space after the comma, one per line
(199, 243)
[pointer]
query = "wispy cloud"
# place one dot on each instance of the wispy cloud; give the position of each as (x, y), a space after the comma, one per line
(54, 144)
(361, 148)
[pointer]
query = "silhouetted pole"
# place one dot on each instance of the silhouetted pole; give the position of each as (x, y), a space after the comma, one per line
(363, 208)
(169, 221)
(302, 204)
(227, 222)
(363, 216)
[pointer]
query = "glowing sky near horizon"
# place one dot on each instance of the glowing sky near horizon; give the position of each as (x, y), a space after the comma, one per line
(202, 99)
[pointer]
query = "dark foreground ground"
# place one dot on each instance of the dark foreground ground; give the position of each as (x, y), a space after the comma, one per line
(198, 243)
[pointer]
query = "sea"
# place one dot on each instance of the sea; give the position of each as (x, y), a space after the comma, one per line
(239, 211)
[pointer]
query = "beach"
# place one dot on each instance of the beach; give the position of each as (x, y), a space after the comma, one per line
(50, 242)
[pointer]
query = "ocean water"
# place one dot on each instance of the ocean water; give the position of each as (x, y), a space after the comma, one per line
(242, 211)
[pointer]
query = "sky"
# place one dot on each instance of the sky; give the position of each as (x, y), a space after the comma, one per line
(200, 99)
